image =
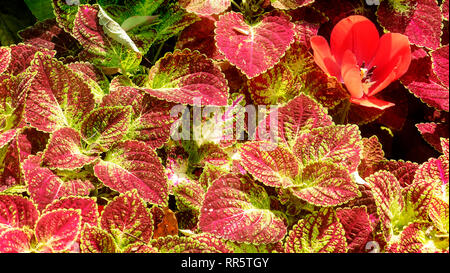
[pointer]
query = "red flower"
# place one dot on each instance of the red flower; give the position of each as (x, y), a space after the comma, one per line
(363, 61)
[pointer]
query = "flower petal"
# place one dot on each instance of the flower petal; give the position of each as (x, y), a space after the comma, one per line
(350, 72)
(357, 34)
(391, 60)
(323, 57)
(372, 102)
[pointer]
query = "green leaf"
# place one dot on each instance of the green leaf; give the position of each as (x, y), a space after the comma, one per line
(41, 9)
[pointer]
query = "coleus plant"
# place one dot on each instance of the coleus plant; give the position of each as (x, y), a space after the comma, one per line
(145, 126)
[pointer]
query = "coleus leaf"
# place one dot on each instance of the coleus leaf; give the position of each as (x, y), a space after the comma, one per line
(7, 136)
(93, 76)
(290, 4)
(304, 30)
(64, 151)
(177, 244)
(339, 144)
(17, 212)
(44, 186)
(5, 58)
(387, 193)
(444, 9)
(439, 58)
(139, 248)
(26, 142)
(183, 76)
(133, 165)
(357, 226)
(272, 164)
(294, 118)
(253, 48)
(200, 36)
(105, 126)
(96, 240)
(413, 239)
(101, 49)
(318, 232)
(213, 241)
(15, 241)
(65, 12)
(371, 155)
(209, 174)
(151, 119)
(189, 194)
(205, 7)
(22, 55)
(418, 197)
(426, 86)
(439, 214)
(47, 34)
(58, 230)
(58, 97)
(435, 169)
(420, 20)
(404, 171)
(87, 207)
(252, 248)
(127, 219)
(325, 184)
(13, 93)
(284, 81)
(432, 132)
(239, 210)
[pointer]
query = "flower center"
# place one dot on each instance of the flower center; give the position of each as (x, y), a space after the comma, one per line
(366, 74)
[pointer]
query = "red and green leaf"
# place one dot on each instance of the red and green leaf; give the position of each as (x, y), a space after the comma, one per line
(205, 7)
(253, 48)
(433, 132)
(440, 57)
(318, 232)
(270, 163)
(105, 126)
(133, 165)
(387, 193)
(295, 118)
(439, 214)
(5, 58)
(177, 244)
(290, 4)
(58, 97)
(48, 35)
(87, 206)
(339, 144)
(183, 76)
(357, 226)
(127, 219)
(200, 36)
(189, 194)
(17, 212)
(423, 82)
(239, 210)
(96, 240)
(15, 241)
(325, 184)
(64, 151)
(58, 230)
(45, 186)
(420, 20)
(22, 55)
